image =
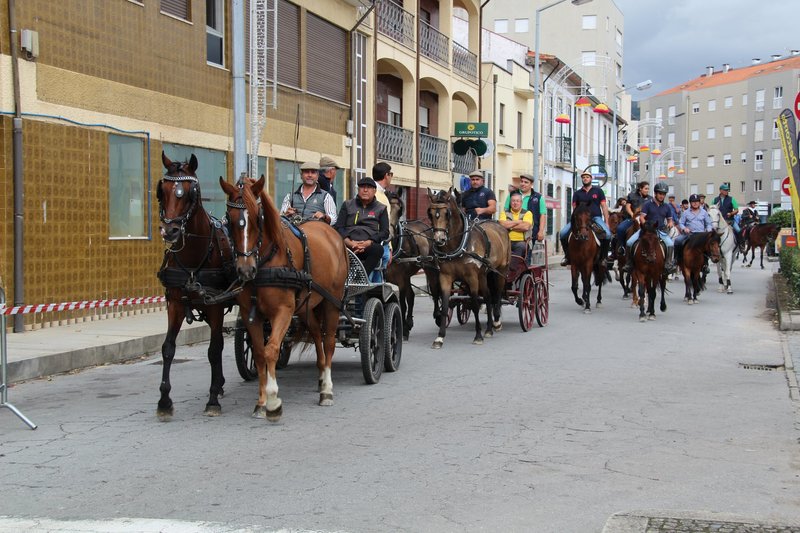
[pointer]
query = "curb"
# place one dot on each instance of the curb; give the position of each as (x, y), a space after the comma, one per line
(788, 320)
(639, 522)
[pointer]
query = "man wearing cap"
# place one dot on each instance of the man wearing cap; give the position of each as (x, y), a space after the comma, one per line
(728, 208)
(703, 204)
(693, 220)
(676, 209)
(594, 198)
(478, 201)
(533, 202)
(309, 201)
(658, 213)
(749, 218)
(518, 221)
(636, 199)
(327, 173)
(363, 223)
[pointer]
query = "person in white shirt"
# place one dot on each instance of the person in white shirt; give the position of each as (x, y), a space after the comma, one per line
(309, 201)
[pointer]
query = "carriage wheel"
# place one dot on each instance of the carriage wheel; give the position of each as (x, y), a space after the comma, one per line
(243, 350)
(463, 313)
(448, 316)
(526, 302)
(284, 354)
(542, 302)
(392, 337)
(371, 342)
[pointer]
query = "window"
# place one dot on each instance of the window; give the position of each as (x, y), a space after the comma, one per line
(743, 186)
(519, 129)
(521, 25)
(424, 124)
(588, 58)
(760, 100)
(289, 39)
(395, 106)
(695, 108)
(712, 105)
(501, 120)
(695, 163)
(327, 66)
(126, 195)
(728, 102)
(693, 189)
(726, 160)
(671, 115)
(212, 163)
(619, 41)
(743, 157)
(659, 113)
(744, 128)
(710, 161)
(618, 70)
(589, 22)
(776, 158)
(777, 99)
(757, 186)
(744, 99)
(695, 135)
(709, 188)
(647, 115)
(758, 134)
(776, 184)
(671, 139)
(759, 161)
(176, 8)
(775, 131)
(215, 32)
(501, 26)
(711, 133)
(727, 131)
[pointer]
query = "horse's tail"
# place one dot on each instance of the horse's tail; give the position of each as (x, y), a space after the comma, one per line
(600, 273)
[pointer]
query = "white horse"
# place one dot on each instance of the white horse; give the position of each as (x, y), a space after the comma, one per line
(727, 248)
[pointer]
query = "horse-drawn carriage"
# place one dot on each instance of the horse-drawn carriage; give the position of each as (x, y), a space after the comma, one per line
(376, 328)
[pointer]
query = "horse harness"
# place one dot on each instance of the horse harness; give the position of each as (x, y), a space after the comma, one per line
(440, 255)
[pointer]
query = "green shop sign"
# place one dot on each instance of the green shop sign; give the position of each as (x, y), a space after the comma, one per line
(472, 129)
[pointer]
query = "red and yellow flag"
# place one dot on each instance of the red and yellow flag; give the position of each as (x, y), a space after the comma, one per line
(788, 134)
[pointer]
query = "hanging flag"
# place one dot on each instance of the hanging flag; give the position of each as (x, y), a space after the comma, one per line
(788, 134)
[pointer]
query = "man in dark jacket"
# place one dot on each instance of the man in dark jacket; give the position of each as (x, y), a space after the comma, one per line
(363, 223)
(327, 173)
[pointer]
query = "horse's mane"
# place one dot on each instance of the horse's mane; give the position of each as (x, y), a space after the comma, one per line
(272, 220)
(580, 209)
(700, 239)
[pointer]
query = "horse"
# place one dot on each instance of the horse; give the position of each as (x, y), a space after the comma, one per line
(691, 261)
(648, 270)
(584, 245)
(614, 219)
(196, 270)
(477, 254)
(727, 248)
(758, 236)
(285, 275)
(411, 249)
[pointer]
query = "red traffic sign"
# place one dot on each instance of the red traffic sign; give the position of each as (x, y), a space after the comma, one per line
(797, 106)
(785, 186)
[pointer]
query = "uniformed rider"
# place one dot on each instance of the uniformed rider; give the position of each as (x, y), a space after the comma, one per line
(309, 201)
(656, 212)
(479, 201)
(593, 197)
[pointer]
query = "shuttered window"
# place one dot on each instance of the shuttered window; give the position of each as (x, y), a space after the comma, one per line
(326, 55)
(288, 44)
(177, 8)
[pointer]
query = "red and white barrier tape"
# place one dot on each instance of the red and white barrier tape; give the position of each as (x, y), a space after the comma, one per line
(71, 306)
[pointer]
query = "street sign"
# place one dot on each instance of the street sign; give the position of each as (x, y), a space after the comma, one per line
(797, 106)
(472, 129)
(785, 184)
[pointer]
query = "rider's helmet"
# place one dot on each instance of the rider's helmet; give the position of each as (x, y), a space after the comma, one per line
(661, 187)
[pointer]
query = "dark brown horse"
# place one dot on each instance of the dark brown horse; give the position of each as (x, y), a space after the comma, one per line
(193, 273)
(648, 271)
(478, 255)
(614, 219)
(691, 261)
(584, 248)
(758, 236)
(284, 277)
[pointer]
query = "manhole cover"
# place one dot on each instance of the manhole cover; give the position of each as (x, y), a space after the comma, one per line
(758, 366)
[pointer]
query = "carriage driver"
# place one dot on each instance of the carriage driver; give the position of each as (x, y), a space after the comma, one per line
(309, 201)
(518, 222)
(479, 201)
(657, 212)
(728, 208)
(593, 197)
(363, 223)
(693, 220)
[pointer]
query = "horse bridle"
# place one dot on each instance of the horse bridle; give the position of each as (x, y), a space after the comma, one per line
(242, 222)
(464, 236)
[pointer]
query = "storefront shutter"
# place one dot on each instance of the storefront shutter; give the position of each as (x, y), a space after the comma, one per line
(326, 54)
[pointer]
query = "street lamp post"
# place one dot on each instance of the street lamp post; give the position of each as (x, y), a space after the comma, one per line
(536, 83)
(641, 86)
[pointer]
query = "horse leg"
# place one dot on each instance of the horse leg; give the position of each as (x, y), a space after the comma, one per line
(476, 293)
(269, 405)
(215, 345)
(663, 286)
(600, 281)
(578, 300)
(640, 287)
(651, 300)
(175, 314)
(761, 248)
(445, 286)
(688, 281)
(328, 316)
(496, 286)
(586, 279)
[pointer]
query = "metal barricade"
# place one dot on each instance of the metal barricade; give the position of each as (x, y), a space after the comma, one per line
(4, 365)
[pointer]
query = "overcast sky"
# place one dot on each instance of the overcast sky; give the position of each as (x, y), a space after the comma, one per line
(672, 41)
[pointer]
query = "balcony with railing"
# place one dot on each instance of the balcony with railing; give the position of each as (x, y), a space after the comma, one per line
(434, 44)
(433, 152)
(395, 144)
(396, 23)
(465, 63)
(464, 164)
(563, 150)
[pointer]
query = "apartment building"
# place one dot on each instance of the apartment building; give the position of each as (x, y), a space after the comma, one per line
(726, 121)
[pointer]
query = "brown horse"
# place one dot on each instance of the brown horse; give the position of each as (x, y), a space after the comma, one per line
(691, 261)
(648, 271)
(758, 236)
(478, 255)
(584, 248)
(285, 276)
(411, 249)
(197, 268)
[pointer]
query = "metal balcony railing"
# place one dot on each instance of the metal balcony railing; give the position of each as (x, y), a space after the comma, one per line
(433, 152)
(464, 164)
(434, 44)
(395, 144)
(396, 22)
(465, 63)
(563, 150)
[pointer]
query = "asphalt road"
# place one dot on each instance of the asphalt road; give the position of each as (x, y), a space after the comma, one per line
(551, 430)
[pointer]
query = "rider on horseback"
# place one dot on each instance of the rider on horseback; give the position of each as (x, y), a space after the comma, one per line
(693, 220)
(728, 208)
(594, 198)
(660, 214)
(636, 200)
(749, 218)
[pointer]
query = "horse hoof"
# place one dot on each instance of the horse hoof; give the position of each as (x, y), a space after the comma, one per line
(260, 411)
(642, 319)
(326, 399)
(437, 344)
(579, 302)
(405, 337)
(164, 415)
(498, 326)
(729, 291)
(651, 317)
(488, 333)
(625, 296)
(477, 342)
(598, 305)
(587, 311)
(275, 416)
(213, 410)
(690, 302)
